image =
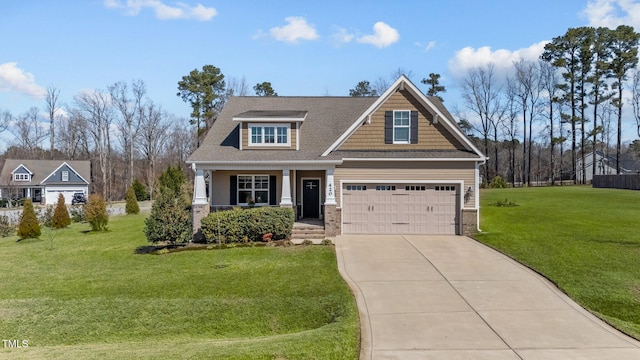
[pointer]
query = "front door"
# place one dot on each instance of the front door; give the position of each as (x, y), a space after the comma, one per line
(311, 198)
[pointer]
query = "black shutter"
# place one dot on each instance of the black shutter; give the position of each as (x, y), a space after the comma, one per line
(388, 127)
(413, 123)
(272, 190)
(233, 191)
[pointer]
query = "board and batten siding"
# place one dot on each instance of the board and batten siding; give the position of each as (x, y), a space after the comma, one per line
(370, 136)
(389, 171)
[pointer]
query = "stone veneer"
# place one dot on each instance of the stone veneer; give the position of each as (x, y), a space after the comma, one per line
(469, 221)
(199, 212)
(332, 223)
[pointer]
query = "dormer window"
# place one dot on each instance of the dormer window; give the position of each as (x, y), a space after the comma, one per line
(65, 176)
(269, 134)
(21, 177)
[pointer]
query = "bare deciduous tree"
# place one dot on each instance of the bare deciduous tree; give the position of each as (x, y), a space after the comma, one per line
(51, 98)
(153, 134)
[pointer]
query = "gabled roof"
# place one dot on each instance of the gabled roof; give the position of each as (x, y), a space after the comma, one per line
(326, 119)
(42, 169)
(328, 122)
(23, 167)
(432, 104)
(49, 178)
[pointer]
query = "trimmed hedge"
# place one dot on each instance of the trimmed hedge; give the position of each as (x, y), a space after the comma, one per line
(240, 225)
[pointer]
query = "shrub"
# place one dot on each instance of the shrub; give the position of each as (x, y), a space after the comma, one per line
(132, 204)
(96, 212)
(498, 183)
(7, 227)
(77, 213)
(170, 218)
(141, 191)
(28, 226)
(61, 217)
(45, 217)
(173, 179)
(252, 224)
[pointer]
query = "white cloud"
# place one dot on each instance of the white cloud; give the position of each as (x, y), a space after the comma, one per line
(611, 13)
(503, 59)
(426, 47)
(163, 11)
(296, 29)
(14, 79)
(342, 36)
(383, 35)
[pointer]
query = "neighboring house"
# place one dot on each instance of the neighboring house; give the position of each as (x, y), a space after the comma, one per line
(397, 163)
(606, 165)
(42, 180)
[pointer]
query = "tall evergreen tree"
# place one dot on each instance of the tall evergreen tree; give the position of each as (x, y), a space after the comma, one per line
(264, 89)
(363, 88)
(624, 57)
(434, 85)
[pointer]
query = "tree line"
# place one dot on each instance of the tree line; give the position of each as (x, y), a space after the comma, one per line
(575, 90)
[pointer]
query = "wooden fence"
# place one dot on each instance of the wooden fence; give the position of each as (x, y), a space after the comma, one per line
(631, 182)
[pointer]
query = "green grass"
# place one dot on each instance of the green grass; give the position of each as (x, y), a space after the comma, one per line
(585, 240)
(87, 295)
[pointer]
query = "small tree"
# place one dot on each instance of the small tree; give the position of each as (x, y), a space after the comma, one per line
(170, 218)
(132, 204)
(141, 191)
(28, 226)
(96, 211)
(61, 217)
(172, 178)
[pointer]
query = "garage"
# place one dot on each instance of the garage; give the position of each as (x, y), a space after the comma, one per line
(395, 208)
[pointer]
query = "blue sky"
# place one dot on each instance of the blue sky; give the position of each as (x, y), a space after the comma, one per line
(301, 47)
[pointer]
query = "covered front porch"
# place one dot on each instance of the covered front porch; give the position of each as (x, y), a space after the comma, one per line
(308, 189)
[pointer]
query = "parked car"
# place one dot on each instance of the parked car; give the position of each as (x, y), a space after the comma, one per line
(78, 198)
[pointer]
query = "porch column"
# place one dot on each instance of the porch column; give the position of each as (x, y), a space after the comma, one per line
(200, 205)
(210, 187)
(330, 191)
(285, 200)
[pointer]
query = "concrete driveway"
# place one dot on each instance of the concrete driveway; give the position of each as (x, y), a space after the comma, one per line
(450, 297)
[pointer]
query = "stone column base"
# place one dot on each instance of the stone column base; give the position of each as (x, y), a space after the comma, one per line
(469, 221)
(199, 212)
(332, 220)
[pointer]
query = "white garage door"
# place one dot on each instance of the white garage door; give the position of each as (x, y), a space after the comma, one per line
(52, 195)
(399, 209)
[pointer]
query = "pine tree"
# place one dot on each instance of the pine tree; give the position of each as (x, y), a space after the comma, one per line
(170, 218)
(61, 217)
(96, 210)
(132, 204)
(28, 226)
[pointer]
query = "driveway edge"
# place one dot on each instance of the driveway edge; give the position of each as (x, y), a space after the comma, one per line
(366, 342)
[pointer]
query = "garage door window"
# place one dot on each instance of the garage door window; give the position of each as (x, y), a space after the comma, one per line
(415, 188)
(445, 188)
(357, 187)
(385, 188)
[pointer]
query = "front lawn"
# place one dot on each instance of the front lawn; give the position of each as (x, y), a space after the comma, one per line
(585, 240)
(76, 295)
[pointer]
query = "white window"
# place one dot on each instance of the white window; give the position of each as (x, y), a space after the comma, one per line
(271, 135)
(21, 177)
(65, 176)
(253, 189)
(401, 126)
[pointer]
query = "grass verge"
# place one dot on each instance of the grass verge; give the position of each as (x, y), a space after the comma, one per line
(77, 295)
(585, 240)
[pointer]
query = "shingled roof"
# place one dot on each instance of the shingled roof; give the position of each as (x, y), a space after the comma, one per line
(41, 169)
(327, 118)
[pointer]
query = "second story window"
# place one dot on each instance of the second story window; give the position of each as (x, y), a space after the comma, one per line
(65, 176)
(269, 135)
(21, 177)
(401, 127)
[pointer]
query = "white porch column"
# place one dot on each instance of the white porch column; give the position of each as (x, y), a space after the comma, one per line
(199, 189)
(285, 200)
(330, 191)
(211, 187)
